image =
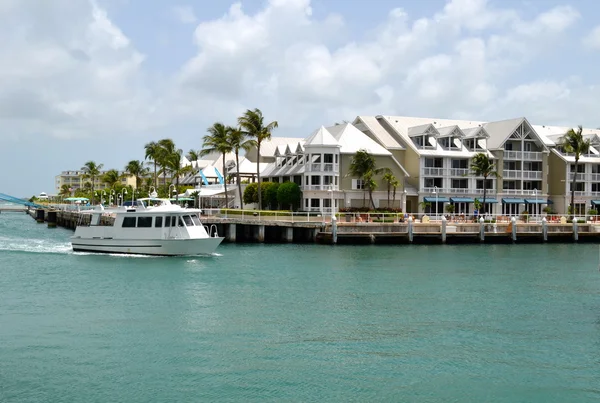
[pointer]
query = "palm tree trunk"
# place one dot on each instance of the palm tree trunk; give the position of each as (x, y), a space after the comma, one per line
(371, 198)
(93, 194)
(176, 190)
(258, 174)
(388, 199)
(155, 178)
(225, 183)
(394, 197)
(573, 186)
(239, 183)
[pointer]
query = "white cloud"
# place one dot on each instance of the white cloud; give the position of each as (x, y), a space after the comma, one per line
(185, 14)
(592, 40)
(74, 72)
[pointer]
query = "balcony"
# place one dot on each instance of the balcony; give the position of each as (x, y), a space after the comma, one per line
(323, 167)
(321, 187)
(517, 174)
(433, 171)
(459, 171)
(580, 176)
(523, 155)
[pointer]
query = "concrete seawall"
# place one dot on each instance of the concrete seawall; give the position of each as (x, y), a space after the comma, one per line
(264, 230)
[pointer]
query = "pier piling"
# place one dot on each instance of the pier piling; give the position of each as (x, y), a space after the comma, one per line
(39, 215)
(575, 230)
(52, 219)
(444, 229)
(231, 232)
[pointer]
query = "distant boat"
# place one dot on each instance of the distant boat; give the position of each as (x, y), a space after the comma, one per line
(166, 230)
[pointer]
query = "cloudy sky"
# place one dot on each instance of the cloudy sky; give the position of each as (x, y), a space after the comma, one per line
(95, 80)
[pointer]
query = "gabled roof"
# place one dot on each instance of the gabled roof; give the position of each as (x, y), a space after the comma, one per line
(371, 124)
(476, 132)
(288, 151)
(500, 131)
(321, 137)
(268, 147)
(453, 131)
(299, 148)
(422, 129)
(351, 140)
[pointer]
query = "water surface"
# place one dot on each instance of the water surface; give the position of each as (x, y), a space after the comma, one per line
(493, 323)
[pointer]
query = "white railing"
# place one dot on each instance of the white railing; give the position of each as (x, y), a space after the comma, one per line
(532, 174)
(578, 193)
(433, 171)
(438, 190)
(523, 155)
(459, 171)
(320, 187)
(513, 191)
(460, 190)
(323, 167)
(580, 176)
(594, 177)
(511, 174)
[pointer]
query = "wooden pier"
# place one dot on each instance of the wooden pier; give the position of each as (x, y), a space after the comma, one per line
(252, 229)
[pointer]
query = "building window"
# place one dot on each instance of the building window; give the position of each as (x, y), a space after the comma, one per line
(315, 180)
(460, 164)
(327, 203)
(509, 185)
(315, 202)
(595, 187)
(580, 168)
(512, 165)
(433, 182)
(579, 187)
(358, 184)
(460, 183)
(434, 163)
(489, 184)
(328, 158)
(531, 185)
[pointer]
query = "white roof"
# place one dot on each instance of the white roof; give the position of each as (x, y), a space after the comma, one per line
(268, 147)
(321, 137)
(248, 167)
(211, 172)
(370, 124)
(351, 140)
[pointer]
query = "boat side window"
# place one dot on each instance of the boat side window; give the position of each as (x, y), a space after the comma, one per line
(188, 221)
(180, 221)
(144, 222)
(167, 221)
(158, 222)
(196, 220)
(173, 221)
(129, 222)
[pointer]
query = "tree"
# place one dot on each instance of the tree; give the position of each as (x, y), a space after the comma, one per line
(252, 125)
(65, 190)
(165, 152)
(573, 142)
(218, 141)
(269, 193)
(136, 168)
(483, 165)
(112, 178)
(153, 153)
(363, 166)
(173, 164)
(91, 170)
(251, 193)
(391, 182)
(289, 194)
(238, 141)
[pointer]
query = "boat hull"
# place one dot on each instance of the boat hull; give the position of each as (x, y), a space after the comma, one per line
(158, 247)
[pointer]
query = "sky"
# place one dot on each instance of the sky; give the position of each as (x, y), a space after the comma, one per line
(85, 80)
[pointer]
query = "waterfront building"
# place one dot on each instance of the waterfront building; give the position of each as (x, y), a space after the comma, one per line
(75, 180)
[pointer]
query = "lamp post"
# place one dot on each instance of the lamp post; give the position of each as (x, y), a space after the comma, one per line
(404, 201)
(536, 204)
(123, 193)
(113, 196)
(332, 204)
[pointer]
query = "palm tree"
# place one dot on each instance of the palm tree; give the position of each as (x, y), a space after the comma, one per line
(153, 153)
(363, 166)
(174, 165)
(483, 165)
(238, 141)
(112, 178)
(392, 182)
(91, 170)
(136, 168)
(252, 125)
(218, 141)
(166, 149)
(573, 142)
(65, 190)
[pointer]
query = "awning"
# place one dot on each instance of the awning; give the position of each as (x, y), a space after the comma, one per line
(596, 202)
(536, 201)
(438, 199)
(461, 200)
(550, 202)
(513, 201)
(491, 201)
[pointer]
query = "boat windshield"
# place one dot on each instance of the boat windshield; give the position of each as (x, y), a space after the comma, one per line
(188, 221)
(196, 220)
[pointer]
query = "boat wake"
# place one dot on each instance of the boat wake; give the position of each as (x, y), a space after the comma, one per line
(34, 246)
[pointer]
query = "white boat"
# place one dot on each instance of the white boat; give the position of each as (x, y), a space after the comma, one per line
(165, 230)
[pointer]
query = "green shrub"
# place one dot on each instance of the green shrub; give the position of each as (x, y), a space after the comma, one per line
(289, 195)
(251, 193)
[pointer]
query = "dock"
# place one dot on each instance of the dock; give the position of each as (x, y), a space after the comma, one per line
(253, 229)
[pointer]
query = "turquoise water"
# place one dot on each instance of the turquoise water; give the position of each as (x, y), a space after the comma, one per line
(493, 323)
